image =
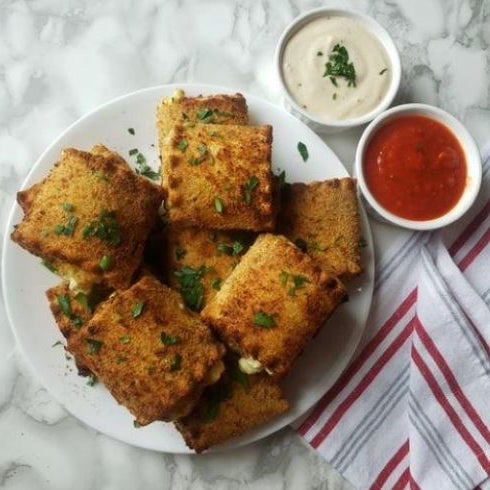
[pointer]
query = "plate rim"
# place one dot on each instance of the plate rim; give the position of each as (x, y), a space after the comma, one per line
(206, 89)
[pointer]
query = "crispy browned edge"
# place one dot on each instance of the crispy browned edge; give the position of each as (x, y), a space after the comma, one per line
(248, 407)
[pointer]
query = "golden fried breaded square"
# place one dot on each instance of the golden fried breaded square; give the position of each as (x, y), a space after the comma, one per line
(273, 302)
(220, 177)
(89, 218)
(236, 404)
(154, 355)
(215, 109)
(322, 218)
(207, 256)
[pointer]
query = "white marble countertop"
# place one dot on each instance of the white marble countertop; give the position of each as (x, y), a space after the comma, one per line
(62, 58)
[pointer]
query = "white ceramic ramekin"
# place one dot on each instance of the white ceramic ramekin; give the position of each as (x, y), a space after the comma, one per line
(333, 125)
(472, 155)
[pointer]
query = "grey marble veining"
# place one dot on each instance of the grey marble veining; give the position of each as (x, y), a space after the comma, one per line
(62, 58)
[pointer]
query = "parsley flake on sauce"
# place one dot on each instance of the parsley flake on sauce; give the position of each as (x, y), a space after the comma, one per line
(92, 380)
(303, 151)
(264, 320)
(125, 339)
(131, 131)
(216, 284)
(339, 65)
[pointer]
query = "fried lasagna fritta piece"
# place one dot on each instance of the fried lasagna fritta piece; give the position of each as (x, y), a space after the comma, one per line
(155, 356)
(211, 109)
(235, 405)
(219, 177)
(322, 218)
(197, 261)
(271, 305)
(89, 218)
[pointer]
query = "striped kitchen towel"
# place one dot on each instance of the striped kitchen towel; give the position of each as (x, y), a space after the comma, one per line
(413, 408)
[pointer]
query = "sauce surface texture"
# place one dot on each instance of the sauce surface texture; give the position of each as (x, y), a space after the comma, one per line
(334, 98)
(415, 168)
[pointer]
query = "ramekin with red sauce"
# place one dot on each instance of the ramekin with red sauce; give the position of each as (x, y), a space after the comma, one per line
(418, 167)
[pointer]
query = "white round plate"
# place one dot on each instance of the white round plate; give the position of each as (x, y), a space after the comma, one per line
(25, 280)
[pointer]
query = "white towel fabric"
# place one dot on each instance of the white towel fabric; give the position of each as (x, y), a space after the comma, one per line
(413, 408)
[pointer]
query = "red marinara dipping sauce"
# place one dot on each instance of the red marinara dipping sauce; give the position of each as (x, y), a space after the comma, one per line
(415, 168)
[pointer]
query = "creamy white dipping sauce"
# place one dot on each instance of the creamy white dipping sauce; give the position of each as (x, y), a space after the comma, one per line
(303, 67)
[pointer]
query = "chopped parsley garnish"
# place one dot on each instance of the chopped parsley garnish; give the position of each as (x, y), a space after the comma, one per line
(106, 228)
(121, 359)
(232, 250)
(219, 205)
(180, 252)
(239, 376)
(136, 424)
(131, 131)
(176, 363)
(49, 266)
(216, 284)
(106, 263)
(216, 395)
(298, 283)
(306, 246)
(339, 65)
(94, 346)
(65, 306)
(334, 96)
(283, 278)
(133, 152)
(68, 207)
(125, 339)
(384, 70)
(303, 151)
(183, 145)
(101, 175)
(319, 53)
(137, 309)
(58, 342)
(250, 188)
(92, 380)
(282, 179)
(206, 116)
(68, 229)
(169, 339)
(82, 298)
(264, 320)
(142, 168)
(191, 287)
(363, 243)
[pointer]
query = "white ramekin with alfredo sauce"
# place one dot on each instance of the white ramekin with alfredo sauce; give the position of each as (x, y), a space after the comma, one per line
(338, 68)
